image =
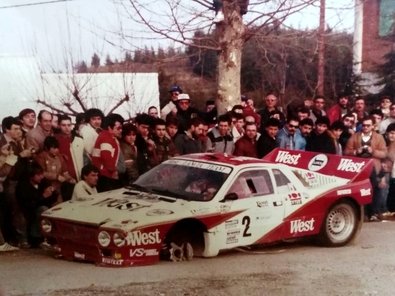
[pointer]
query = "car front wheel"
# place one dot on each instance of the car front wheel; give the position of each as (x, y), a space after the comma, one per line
(341, 224)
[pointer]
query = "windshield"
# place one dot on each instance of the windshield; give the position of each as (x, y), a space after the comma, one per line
(186, 179)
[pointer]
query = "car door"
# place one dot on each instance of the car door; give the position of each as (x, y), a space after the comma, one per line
(261, 209)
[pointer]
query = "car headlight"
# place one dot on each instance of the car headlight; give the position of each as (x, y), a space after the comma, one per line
(46, 225)
(104, 238)
(119, 239)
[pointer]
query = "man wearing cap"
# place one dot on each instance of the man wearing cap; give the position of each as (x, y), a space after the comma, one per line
(170, 107)
(184, 112)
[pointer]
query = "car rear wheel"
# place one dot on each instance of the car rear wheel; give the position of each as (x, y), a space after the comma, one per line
(341, 224)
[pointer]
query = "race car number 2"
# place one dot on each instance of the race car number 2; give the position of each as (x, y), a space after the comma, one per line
(246, 223)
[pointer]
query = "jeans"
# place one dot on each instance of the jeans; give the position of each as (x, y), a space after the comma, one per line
(15, 216)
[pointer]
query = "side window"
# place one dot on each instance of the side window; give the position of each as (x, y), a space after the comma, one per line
(282, 182)
(252, 183)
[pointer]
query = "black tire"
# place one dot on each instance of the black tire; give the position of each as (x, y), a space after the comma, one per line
(342, 223)
(190, 235)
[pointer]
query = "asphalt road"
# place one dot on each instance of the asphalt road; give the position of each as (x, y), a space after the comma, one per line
(367, 267)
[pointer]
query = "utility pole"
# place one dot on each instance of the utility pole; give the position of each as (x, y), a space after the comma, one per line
(321, 50)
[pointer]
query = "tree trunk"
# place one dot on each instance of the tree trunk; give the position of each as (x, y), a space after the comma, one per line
(321, 50)
(231, 39)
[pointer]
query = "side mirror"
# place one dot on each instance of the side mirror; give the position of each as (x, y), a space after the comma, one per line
(230, 196)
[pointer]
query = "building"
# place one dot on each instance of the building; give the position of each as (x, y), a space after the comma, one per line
(22, 83)
(374, 36)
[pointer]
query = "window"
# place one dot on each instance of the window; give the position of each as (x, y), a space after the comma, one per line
(252, 183)
(282, 182)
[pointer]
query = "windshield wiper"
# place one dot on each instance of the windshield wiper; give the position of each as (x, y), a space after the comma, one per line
(167, 192)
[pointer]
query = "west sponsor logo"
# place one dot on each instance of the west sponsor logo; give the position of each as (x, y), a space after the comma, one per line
(112, 261)
(300, 225)
(365, 192)
(140, 252)
(121, 204)
(262, 203)
(343, 191)
(317, 162)
(138, 238)
(348, 165)
(288, 158)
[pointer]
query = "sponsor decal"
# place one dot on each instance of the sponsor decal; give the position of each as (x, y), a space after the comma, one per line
(262, 203)
(200, 211)
(112, 261)
(121, 204)
(287, 158)
(231, 224)
(232, 236)
(317, 162)
(138, 238)
(159, 212)
(201, 165)
(139, 252)
(348, 165)
(295, 198)
(262, 218)
(224, 208)
(78, 255)
(343, 191)
(365, 192)
(300, 225)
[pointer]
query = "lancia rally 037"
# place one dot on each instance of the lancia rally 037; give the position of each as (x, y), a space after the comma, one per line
(201, 204)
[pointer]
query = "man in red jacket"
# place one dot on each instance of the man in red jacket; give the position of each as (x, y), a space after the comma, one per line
(247, 144)
(106, 153)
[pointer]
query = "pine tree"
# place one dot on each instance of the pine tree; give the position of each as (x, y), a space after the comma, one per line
(95, 62)
(109, 61)
(81, 67)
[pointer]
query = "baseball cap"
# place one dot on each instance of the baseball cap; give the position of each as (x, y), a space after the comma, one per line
(183, 97)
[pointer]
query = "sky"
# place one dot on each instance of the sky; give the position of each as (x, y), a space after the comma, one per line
(77, 28)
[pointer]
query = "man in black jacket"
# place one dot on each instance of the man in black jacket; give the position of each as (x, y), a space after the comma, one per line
(267, 141)
(35, 195)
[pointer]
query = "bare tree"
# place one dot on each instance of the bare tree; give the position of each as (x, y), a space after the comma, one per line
(177, 20)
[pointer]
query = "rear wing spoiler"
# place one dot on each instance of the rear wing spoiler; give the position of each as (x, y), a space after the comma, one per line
(352, 168)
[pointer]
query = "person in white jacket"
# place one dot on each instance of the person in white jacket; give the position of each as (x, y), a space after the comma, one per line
(86, 188)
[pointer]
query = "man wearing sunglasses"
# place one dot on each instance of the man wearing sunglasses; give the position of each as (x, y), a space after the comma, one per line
(289, 138)
(369, 144)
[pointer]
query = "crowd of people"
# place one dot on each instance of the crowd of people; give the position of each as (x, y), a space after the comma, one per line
(47, 158)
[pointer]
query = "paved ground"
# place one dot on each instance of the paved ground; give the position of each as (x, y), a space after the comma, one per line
(366, 267)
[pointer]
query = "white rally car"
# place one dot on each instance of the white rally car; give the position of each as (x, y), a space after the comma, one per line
(201, 204)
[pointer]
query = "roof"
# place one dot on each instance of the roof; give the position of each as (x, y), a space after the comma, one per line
(225, 159)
